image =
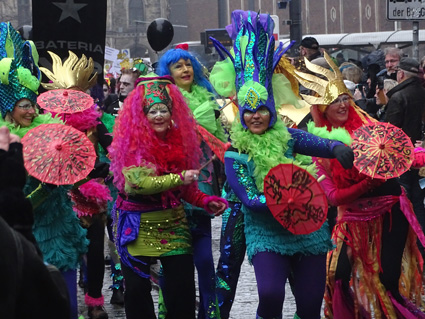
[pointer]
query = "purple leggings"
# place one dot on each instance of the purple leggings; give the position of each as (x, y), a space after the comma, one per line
(70, 277)
(307, 276)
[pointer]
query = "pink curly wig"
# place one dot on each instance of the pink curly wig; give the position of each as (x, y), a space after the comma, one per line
(136, 143)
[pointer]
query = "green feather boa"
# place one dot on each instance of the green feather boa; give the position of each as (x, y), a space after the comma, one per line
(21, 131)
(109, 121)
(202, 104)
(197, 96)
(268, 150)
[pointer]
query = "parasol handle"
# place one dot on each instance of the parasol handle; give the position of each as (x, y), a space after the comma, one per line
(228, 103)
(321, 178)
(207, 162)
(81, 182)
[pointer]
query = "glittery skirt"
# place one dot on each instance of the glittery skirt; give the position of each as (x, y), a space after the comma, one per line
(148, 230)
(162, 233)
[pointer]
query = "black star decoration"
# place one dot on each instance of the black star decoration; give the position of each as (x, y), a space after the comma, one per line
(70, 9)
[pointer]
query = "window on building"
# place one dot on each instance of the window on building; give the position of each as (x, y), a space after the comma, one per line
(136, 12)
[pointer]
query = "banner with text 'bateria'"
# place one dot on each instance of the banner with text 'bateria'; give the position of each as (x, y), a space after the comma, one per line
(79, 26)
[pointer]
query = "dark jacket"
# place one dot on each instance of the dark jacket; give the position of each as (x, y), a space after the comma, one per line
(406, 107)
(15, 208)
(28, 288)
(111, 104)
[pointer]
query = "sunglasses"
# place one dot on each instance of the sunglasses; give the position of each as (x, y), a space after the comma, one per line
(343, 99)
(26, 106)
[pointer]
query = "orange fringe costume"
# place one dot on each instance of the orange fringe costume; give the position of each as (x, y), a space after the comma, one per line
(360, 222)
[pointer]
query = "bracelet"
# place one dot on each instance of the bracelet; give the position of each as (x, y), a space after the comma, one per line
(181, 174)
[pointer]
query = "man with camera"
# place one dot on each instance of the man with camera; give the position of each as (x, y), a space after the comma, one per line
(392, 60)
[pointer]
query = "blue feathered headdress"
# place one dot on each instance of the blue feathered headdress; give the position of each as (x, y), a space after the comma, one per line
(19, 72)
(254, 60)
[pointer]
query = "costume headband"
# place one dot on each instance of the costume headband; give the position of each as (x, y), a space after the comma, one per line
(19, 72)
(74, 73)
(254, 61)
(156, 91)
(328, 91)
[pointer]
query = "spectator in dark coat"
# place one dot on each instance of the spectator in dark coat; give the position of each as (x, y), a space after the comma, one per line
(405, 109)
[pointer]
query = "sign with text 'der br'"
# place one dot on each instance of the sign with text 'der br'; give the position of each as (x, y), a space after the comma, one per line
(406, 9)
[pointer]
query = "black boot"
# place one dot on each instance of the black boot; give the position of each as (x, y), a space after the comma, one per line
(117, 296)
(95, 307)
(97, 312)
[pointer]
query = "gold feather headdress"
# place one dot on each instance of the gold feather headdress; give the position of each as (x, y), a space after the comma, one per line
(74, 73)
(328, 91)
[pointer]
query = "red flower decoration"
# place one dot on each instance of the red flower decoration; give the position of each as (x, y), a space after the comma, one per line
(127, 231)
(183, 46)
(163, 241)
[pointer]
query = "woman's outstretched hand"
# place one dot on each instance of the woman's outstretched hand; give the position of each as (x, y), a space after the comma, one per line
(6, 138)
(190, 176)
(217, 207)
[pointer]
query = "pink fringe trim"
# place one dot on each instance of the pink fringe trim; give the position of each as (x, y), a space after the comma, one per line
(95, 191)
(90, 198)
(211, 199)
(93, 302)
(82, 121)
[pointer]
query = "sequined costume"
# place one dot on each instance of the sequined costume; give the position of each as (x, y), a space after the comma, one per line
(232, 251)
(258, 147)
(56, 227)
(263, 233)
(259, 222)
(150, 219)
(375, 269)
(203, 106)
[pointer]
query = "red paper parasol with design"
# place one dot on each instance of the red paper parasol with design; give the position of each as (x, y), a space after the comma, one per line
(58, 154)
(65, 101)
(382, 150)
(217, 146)
(295, 198)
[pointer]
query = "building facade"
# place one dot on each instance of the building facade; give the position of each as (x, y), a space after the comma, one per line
(127, 20)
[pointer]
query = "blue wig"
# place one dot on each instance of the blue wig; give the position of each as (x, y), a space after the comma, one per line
(174, 55)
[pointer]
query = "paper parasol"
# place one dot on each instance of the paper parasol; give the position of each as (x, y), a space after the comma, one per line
(64, 101)
(58, 154)
(217, 146)
(382, 150)
(295, 198)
